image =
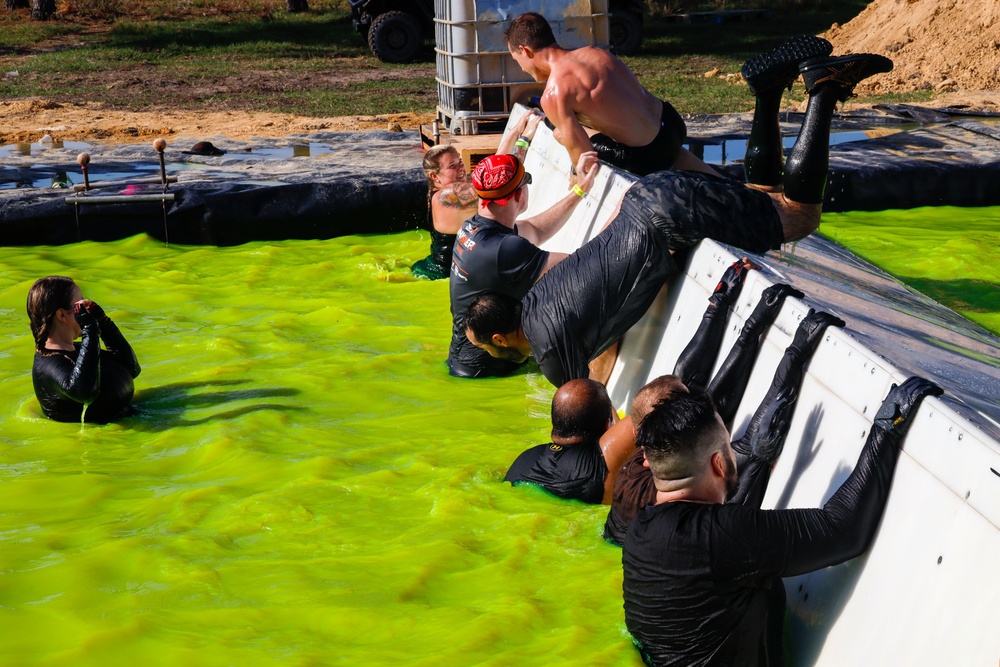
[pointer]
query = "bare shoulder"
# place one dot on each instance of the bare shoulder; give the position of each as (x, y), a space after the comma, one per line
(456, 195)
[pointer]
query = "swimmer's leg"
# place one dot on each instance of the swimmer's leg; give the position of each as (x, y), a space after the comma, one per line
(828, 81)
(768, 76)
(759, 447)
(696, 361)
(730, 381)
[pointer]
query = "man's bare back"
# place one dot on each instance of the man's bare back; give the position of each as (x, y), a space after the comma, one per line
(592, 87)
(633, 129)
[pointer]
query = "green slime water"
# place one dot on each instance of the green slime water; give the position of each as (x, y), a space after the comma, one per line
(304, 484)
(950, 254)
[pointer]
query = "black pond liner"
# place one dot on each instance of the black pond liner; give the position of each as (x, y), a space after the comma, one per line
(374, 185)
(224, 215)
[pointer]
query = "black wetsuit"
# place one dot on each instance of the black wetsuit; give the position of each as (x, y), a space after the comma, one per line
(658, 155)
(702, 582)
(65, 381)
(568, 471)
(590, 299)
(437, 264)
(488, 257)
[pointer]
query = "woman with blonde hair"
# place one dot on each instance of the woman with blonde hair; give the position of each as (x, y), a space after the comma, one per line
(75, 381)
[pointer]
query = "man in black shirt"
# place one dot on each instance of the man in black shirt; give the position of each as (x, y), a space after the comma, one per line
(572, 465)
(496, 252)
(634, 486)
(702, 579)
(580, 309)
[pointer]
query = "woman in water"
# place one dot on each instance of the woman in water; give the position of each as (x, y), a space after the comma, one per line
(73, 379)
(451, 199)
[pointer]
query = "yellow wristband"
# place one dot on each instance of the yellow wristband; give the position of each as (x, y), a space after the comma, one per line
(578, 191)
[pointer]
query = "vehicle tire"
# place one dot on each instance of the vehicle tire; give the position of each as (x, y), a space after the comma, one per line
(395, 37)
(625, 32)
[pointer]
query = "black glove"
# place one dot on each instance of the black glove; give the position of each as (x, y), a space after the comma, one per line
(811, 329)
(732, 281)
(896, 412)
(767, 308)
(88, 313)
(766, 444)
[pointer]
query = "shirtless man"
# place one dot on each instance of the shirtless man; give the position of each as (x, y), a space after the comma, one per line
(638, 132)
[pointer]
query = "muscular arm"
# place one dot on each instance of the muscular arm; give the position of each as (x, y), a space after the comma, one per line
(453, 205)
(617, 445)
(540, 228)
(557, 105)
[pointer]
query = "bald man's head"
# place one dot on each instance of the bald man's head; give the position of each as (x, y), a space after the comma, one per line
(581, 410)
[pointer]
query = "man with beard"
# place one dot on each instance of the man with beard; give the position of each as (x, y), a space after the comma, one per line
(702, 579)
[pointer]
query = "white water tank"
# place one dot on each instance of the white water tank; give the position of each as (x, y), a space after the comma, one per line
(478, 80)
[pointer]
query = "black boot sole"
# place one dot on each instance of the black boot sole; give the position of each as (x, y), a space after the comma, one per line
(779, 68)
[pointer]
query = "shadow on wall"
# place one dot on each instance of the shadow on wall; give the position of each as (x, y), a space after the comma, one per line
(806, 631)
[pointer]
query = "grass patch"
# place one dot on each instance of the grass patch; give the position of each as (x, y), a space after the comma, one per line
(251, 54)
(417, 95)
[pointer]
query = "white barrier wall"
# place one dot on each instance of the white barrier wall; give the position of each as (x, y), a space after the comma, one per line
(928, 591)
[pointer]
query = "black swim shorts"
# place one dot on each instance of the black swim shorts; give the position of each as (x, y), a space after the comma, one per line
(686, 207)
(658, 155)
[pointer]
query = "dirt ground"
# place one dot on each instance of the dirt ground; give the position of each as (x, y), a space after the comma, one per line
(950, 47)
(946, 46)
(28, 120)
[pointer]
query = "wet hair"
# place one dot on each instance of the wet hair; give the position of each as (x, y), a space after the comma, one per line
(432, 162)
(493, 313)
(665, 386)
(581, 410)
(531, 30)
(678, 435)
(45, 297)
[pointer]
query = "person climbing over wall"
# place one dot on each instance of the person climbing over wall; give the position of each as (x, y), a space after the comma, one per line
(571, 319)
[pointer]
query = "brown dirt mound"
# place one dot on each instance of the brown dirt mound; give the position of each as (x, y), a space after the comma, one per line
(947, 46)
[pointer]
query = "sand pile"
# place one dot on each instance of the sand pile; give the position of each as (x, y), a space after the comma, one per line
(946, 46)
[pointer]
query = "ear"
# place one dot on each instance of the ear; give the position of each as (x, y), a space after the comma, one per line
(645, 461)
(499, 340)
(718, 465)
(528, 52)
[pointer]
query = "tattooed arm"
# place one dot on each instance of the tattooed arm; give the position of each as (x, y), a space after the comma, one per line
(453, 205)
